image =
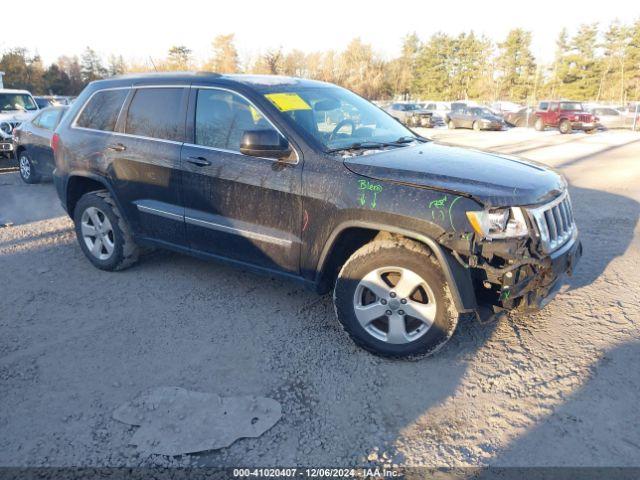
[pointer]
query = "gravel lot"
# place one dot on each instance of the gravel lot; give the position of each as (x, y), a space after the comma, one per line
(556, 388)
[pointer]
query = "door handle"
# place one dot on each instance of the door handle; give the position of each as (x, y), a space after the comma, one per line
(199, 161)
(117, 148)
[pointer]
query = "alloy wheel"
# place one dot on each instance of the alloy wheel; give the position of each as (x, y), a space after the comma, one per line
(394, 305)
(97, 233)
(25, 167)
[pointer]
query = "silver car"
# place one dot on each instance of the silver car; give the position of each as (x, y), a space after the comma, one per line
(612, 118)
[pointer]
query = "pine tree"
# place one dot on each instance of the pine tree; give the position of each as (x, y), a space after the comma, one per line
(516, 66)
(91, 67)
(179, 58)
(225, 55)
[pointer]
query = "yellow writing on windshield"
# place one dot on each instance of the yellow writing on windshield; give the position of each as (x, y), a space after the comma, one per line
(286, 102)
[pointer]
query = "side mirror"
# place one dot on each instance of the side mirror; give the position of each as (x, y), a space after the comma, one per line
(265, 143)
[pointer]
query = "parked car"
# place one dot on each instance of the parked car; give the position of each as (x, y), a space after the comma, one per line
(478, 118)
(407, 233)
(52, 100)
(565, 116)
(410, 114)
(439, 111)
(505, 108)
(32, 144)
(525, 117)
(16, 106)
(611, 118)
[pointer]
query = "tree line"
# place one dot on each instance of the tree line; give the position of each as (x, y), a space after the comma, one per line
(590, 64)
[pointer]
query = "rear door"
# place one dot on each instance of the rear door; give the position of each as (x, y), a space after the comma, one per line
(240, 207)
(551, 115)
(40, 136)
(40, 139)
(145, 165)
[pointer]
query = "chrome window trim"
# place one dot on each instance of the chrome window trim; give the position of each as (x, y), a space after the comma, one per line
(235, 152)
(74, 124)
(266, 117)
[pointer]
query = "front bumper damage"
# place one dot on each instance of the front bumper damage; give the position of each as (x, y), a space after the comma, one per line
(513, 274)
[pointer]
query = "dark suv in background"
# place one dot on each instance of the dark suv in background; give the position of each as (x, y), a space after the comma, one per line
(310, 181)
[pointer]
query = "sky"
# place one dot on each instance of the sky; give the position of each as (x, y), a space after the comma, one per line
(142, 29)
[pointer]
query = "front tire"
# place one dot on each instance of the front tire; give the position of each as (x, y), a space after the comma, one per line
(392, 299)
(476, 126)
(27, 169)
(565, 127)
(451, 125)
(539, 124)
(103, 234)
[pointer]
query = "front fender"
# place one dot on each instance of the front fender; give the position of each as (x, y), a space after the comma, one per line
(458, 277)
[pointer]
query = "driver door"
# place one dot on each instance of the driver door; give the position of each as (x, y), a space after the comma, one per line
(240, 207)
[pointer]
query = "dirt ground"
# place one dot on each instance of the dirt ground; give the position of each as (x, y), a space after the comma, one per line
(559, 387)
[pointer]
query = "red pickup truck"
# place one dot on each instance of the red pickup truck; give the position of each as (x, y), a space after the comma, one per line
(566, 116)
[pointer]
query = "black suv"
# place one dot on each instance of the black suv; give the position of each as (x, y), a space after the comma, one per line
(310, 181)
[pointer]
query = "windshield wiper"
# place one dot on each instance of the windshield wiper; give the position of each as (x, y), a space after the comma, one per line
(366, 145)
(362, 146)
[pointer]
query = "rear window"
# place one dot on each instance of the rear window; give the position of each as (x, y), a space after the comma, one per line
(101, 111)
(156, 113)
(543, 105)
(47, 119)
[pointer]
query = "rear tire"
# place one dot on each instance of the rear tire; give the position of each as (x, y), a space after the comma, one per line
(103, 234)
(476, 126)
(28, 172)
(565, 127)
(406, 279)
(539, 124)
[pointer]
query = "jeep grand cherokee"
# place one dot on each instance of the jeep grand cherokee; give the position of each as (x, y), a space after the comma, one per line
(310, 181)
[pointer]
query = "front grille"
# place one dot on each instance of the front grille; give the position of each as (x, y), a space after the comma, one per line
(585, 118)
(554, 222)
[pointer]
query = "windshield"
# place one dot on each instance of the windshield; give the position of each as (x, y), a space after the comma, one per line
(336, 117)
(17, 101)
(575, 106)
(482, 111)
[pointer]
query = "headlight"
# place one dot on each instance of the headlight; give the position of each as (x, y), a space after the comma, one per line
(6, 127)
(499, 223)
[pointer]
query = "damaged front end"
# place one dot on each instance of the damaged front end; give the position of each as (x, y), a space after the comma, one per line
(6, 137)
(517, 256)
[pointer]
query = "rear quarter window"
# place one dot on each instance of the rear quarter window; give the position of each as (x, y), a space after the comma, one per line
(102, 109)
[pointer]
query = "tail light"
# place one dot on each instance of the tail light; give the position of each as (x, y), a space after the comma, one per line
(54, 142)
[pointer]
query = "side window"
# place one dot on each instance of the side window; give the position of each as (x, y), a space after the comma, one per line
(101, 112)
(156, 113)
(222, 117)
(47, 119)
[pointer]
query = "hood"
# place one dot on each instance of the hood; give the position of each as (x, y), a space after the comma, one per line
(16, 116)
(491, 179)
(491, 117)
